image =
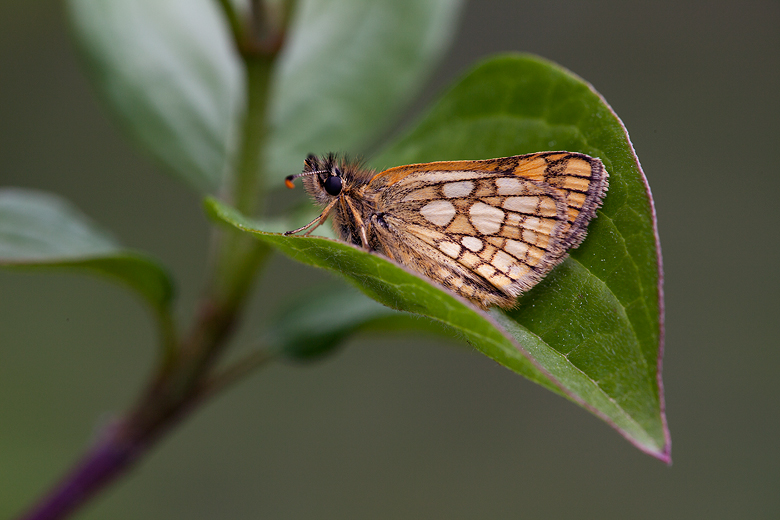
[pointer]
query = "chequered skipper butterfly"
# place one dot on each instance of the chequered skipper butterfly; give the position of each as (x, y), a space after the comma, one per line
(488, 230)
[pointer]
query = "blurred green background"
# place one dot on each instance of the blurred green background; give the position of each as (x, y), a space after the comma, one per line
(393, 427)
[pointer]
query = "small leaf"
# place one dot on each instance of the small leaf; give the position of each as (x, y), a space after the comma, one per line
(39, 230)
(169, 73)
(318, 321)
(347, 68)
(592, 329)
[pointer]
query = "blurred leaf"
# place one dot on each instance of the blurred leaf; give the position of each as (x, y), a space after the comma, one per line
(39, 230)
(346, 70)
(592, 329)
(168, 72)
(316, 322)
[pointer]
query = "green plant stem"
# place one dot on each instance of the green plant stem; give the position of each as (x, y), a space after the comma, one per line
(182, 379)
(237, 256)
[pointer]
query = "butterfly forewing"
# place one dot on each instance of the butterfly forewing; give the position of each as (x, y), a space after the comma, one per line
(508, 221)
(489, 230)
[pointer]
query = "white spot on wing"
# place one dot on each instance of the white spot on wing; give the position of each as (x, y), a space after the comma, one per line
(521, 204)
(503, 261)
(439, 212)
(516, 248)
(510, 186)
(486, 219)
(472, 243)
(450, 249)
(486, 270)
(457, 189)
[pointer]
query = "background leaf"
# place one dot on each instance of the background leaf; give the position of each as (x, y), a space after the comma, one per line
(319, 320)
(39, 230)
(591, 329)
(168, 72)
(347, 68)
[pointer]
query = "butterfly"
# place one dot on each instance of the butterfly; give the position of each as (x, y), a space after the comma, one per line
(488, 230)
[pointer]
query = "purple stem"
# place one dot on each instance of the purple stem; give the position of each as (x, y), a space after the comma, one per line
(107, 459)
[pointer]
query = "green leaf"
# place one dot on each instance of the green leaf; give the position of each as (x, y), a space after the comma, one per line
(592, 329)
(522, 104)
(347, 68)
(39, 230)
(316, 322)
(168, 72)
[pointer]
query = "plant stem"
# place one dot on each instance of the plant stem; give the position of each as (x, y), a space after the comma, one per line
(238, 253)
(182, 379)
(100, 465)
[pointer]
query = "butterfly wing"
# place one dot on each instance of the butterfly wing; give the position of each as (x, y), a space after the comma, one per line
(490, 229)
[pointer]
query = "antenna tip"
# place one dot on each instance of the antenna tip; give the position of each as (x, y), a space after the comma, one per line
(289, 183)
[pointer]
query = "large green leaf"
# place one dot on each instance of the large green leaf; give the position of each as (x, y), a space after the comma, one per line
(592, 329)
(346, 70)
(39, 230)
(168, 72)
(522, 104)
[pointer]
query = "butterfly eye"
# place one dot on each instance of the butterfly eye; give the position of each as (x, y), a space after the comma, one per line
(332, 185)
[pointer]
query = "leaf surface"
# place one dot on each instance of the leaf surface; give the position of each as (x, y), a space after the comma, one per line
(41, 231)
(602, 309)
(169, 74)
(592, 329)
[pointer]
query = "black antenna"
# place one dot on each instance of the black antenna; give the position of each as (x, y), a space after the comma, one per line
(288, 181)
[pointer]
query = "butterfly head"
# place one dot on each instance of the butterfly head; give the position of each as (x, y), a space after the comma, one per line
(331, 179)
(323, 177)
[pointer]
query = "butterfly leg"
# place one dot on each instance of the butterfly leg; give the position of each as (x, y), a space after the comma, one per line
(360, 224)
(317, 222)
